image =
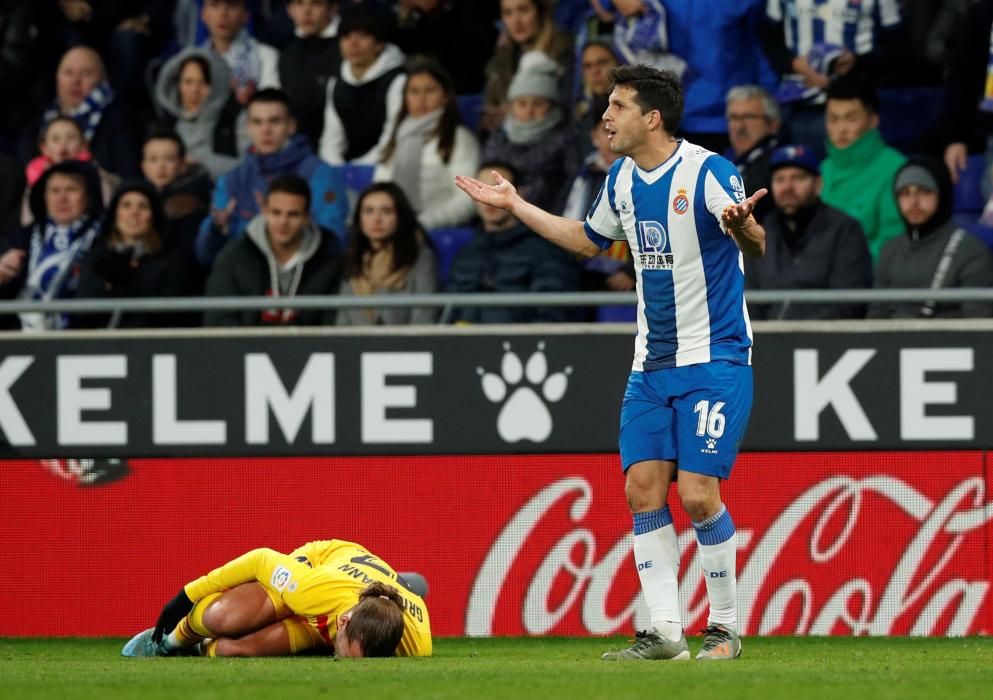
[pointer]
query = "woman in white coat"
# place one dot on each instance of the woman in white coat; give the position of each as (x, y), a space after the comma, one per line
(429, 147)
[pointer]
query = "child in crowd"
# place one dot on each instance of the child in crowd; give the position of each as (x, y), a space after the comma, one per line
(61, 139)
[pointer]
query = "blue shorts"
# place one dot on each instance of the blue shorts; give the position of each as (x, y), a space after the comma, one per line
(694, 415)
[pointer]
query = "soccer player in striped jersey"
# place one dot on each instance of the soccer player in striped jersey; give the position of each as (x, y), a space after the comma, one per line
(684, 213)
(328, 595)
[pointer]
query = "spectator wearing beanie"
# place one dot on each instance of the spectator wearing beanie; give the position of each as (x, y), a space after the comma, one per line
(933, 252)
(535, 139)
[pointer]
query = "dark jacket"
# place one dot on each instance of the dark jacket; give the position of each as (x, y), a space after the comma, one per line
(243, 269)
(754, 169)
(305, 66)
(20, 237)
(459, 34)
(28, 56)
(514, 260)
(12, 184)
(912, 260)
(109, 273)
(827, 251)
(545, 168)
(967, 65)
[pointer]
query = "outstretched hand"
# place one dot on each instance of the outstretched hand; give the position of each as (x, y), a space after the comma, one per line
(500, 195)
(735, 216)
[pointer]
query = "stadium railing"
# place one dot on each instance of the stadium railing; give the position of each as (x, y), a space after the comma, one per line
(448, 301)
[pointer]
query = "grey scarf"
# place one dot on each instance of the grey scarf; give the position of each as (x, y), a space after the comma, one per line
(529, 132)
(412, 134)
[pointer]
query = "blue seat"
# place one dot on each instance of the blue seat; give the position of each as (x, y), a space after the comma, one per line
(970, 223)
(617, 314)
(470, 109)
(969, 190)
(447, 243)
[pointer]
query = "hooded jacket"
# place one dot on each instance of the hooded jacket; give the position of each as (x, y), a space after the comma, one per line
(248, 267)
(248, 183)
(512, 260)
(361, 112)
(912, 260)
(20, 238)
(858, 179)
(216, 134)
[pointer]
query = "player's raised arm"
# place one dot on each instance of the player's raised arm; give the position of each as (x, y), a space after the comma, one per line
(563, 232)
(742, 226)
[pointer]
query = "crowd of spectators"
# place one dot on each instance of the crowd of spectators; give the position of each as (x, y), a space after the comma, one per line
(163, 148)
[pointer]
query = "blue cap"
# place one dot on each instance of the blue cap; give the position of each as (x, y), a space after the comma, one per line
(796, 156)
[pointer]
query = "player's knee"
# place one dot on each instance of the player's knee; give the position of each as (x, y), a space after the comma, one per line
(221, 617)
(699, 503)
(639, 495)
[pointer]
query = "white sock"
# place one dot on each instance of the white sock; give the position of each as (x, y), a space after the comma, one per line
(656, 554)
(718, 556)
(173, 642)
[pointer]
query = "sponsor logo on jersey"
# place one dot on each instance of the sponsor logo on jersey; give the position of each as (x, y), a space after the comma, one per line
(681, 203)
(652, 245)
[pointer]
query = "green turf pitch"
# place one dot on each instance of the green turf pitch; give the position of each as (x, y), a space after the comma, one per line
(544, 668)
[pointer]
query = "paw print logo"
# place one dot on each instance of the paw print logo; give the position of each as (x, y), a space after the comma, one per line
(524, 415)
(711, 443)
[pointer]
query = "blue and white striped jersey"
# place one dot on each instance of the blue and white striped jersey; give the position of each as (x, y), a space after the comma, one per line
(690, 273)
(852, 24)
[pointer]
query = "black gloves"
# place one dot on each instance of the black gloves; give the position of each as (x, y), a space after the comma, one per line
(174, 611)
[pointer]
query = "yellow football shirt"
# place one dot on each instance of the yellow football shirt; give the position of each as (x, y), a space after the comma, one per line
(318, 582)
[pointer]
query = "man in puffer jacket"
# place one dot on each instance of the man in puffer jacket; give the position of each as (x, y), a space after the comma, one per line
(276, 150)
(283, 254)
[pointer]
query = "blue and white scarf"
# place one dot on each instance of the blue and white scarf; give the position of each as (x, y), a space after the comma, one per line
(56, 251)
(88, 113)
(243, 59)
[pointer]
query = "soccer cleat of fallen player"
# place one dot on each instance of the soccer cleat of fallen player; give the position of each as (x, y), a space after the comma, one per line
(141, 645)
(720, 643)
(649, 646)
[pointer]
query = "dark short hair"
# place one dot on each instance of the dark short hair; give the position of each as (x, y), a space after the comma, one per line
(494, 164)
(654, 90)
(271, 96)
(360, 19)
(854, 86)
(164, 132)
(290, 183)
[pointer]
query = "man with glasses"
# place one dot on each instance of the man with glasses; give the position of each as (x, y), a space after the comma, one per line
(753, 130)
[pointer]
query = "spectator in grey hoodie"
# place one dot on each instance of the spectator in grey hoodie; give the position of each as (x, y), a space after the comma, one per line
(283, 254)
(194, 89)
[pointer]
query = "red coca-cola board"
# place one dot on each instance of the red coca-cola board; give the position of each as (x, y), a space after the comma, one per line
(830, 543)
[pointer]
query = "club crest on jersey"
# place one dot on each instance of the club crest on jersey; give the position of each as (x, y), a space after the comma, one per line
(738, 188)
(681, 203)
(652, 244)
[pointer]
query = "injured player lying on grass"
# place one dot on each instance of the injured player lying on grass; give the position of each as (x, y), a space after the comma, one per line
(329, 596)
